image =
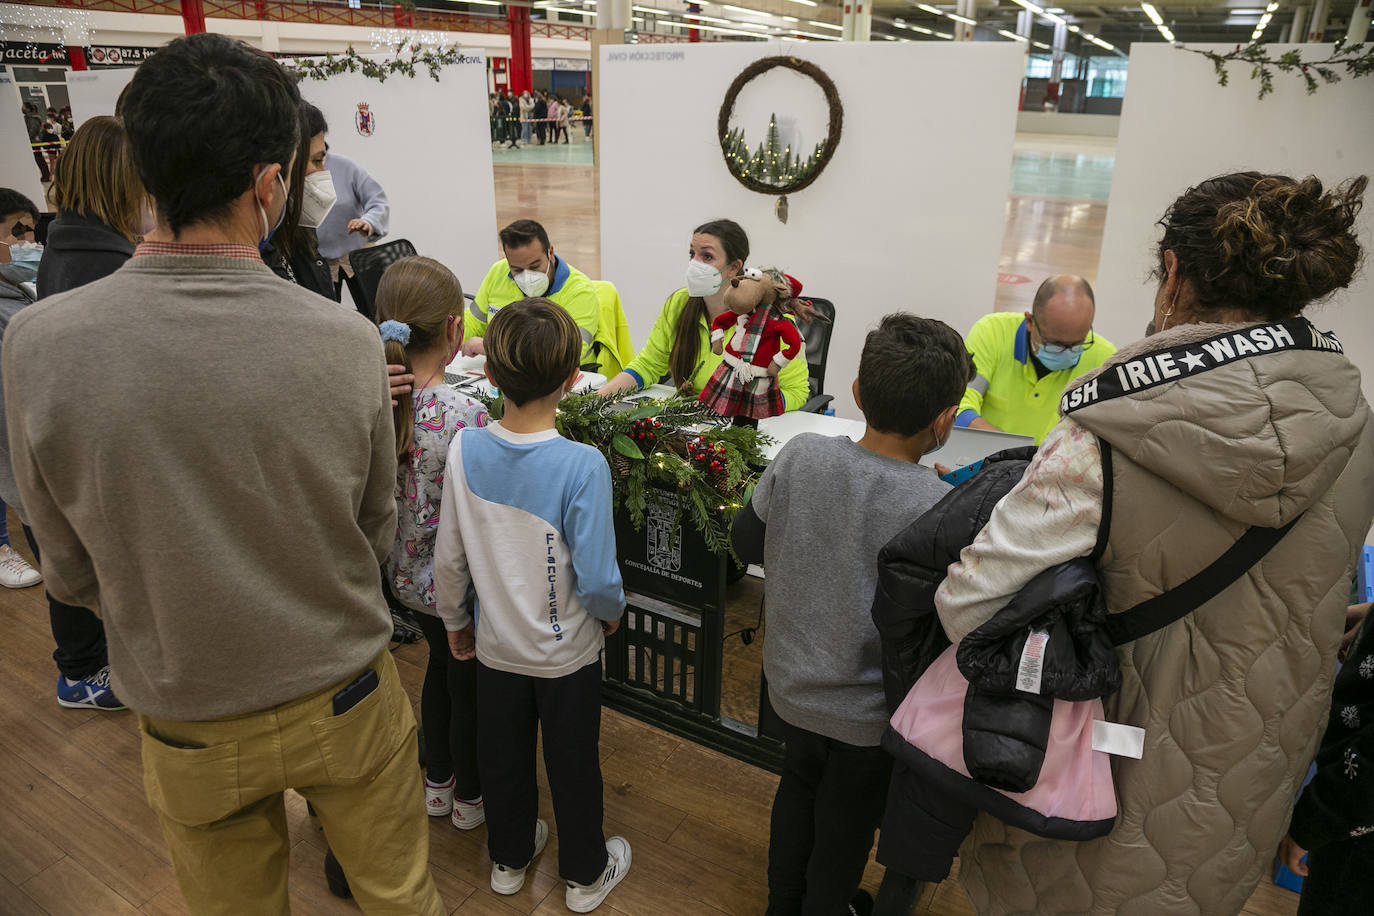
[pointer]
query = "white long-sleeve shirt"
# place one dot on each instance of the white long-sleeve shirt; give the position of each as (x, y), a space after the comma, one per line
(527, 519)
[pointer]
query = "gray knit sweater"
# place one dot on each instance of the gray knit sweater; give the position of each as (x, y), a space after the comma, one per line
(205, 453)
(830, 505)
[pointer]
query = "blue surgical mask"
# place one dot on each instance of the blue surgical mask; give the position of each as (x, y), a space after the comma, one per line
(23, 264)
(1056, 358)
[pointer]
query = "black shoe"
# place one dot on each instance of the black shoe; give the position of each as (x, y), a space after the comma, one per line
(861, 904)
(336, 879)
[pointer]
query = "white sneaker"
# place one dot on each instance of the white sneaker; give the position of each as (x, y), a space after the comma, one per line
(15, 571)
(439, 797)
(583, 898)
(506, 880)
(468, 815)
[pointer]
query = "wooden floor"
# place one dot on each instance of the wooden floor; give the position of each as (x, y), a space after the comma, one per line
(77, 837)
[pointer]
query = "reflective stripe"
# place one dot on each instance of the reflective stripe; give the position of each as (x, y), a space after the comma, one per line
(476, 311)
(586, 336)
(980, 385)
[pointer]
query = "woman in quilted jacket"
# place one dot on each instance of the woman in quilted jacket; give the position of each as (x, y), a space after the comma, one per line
(1236, 413)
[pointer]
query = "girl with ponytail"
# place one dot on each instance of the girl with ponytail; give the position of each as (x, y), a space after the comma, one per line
(420, 316)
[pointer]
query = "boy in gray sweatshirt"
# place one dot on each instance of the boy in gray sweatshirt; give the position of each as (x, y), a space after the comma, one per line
(818, 517)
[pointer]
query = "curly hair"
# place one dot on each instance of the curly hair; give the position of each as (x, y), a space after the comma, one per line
(1269, 244)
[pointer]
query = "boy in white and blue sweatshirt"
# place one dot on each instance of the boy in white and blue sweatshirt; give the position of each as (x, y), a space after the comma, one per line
(527, 519)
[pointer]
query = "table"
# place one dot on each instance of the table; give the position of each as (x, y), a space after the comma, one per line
(468, 373)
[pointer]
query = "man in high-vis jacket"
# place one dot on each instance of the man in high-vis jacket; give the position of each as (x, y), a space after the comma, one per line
(1025, 361)
(531, 268)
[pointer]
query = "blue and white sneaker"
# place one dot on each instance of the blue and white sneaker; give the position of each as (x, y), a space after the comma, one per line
(93, 692)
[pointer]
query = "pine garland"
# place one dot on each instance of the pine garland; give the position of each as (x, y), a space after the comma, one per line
(410, 58)
(1357, 59)
(674, 443)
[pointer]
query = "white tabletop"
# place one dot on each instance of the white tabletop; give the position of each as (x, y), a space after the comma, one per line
(472, 369)
(784, 426)
(965, 446)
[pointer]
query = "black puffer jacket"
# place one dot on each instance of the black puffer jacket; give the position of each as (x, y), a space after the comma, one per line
(931, 807)
(913, 564)
(1006, 730)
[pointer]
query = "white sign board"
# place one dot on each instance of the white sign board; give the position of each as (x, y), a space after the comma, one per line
(18, 168)
(428, 146)
(908, 215)
(1179, 127)
(94, 92)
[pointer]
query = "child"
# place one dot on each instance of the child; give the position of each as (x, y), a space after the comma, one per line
(527, 519)
(420, 309)
(1334, 817)
(832, 504)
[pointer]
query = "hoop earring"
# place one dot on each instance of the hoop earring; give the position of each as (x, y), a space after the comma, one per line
(1167, 315)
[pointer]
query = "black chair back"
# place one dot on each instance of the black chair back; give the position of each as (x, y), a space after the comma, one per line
(817, 336)
(368, 266)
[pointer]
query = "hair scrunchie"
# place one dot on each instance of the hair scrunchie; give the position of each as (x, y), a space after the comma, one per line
(398, 331)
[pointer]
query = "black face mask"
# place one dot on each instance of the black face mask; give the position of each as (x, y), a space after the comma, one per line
(1150, 328)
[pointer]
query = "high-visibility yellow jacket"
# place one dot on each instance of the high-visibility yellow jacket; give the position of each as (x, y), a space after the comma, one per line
(651, 365)
(614, 348)
(570, 288)
(1008, 392)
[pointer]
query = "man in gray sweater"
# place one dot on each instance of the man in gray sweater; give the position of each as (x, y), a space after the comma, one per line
(206, 455)
(817, 519)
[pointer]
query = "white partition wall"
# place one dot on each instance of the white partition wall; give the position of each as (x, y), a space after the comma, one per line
(94, 92)
(18, 170)
(431, 150)
(1178, 127)
(428, 147)
(908, 216)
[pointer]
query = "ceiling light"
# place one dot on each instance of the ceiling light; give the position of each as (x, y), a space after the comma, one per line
(1030, 6)
(815, 35)
(963, 19)
(1012, 35)
(826, 25)
(1152, 13)
(806, 2)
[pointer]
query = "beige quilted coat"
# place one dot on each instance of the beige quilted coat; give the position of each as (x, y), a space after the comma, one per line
(1233, 699)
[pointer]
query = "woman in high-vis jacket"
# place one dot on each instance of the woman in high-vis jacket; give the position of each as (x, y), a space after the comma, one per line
(678, 350)
(1236, 414)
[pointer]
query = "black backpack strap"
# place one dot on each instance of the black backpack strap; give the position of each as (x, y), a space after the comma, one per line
(1175, 604)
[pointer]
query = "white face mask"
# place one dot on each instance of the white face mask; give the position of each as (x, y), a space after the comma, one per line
(317, 199)
(532, 282)
(702, 279)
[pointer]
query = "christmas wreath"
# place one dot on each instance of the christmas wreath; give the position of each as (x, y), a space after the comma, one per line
(771, 170)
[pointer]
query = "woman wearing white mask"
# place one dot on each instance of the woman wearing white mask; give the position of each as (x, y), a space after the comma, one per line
(678, 351)
(292, 250)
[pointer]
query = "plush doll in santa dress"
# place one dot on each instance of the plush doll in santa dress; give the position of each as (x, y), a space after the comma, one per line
(745, 385)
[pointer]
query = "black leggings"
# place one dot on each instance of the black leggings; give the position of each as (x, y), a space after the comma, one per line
(448, 713)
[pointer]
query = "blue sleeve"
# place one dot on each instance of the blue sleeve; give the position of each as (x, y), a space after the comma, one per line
(589, 529)
(965, 417)
(376, 209)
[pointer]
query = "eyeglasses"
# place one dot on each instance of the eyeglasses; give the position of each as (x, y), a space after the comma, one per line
(1056, 347)
(21, 229)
